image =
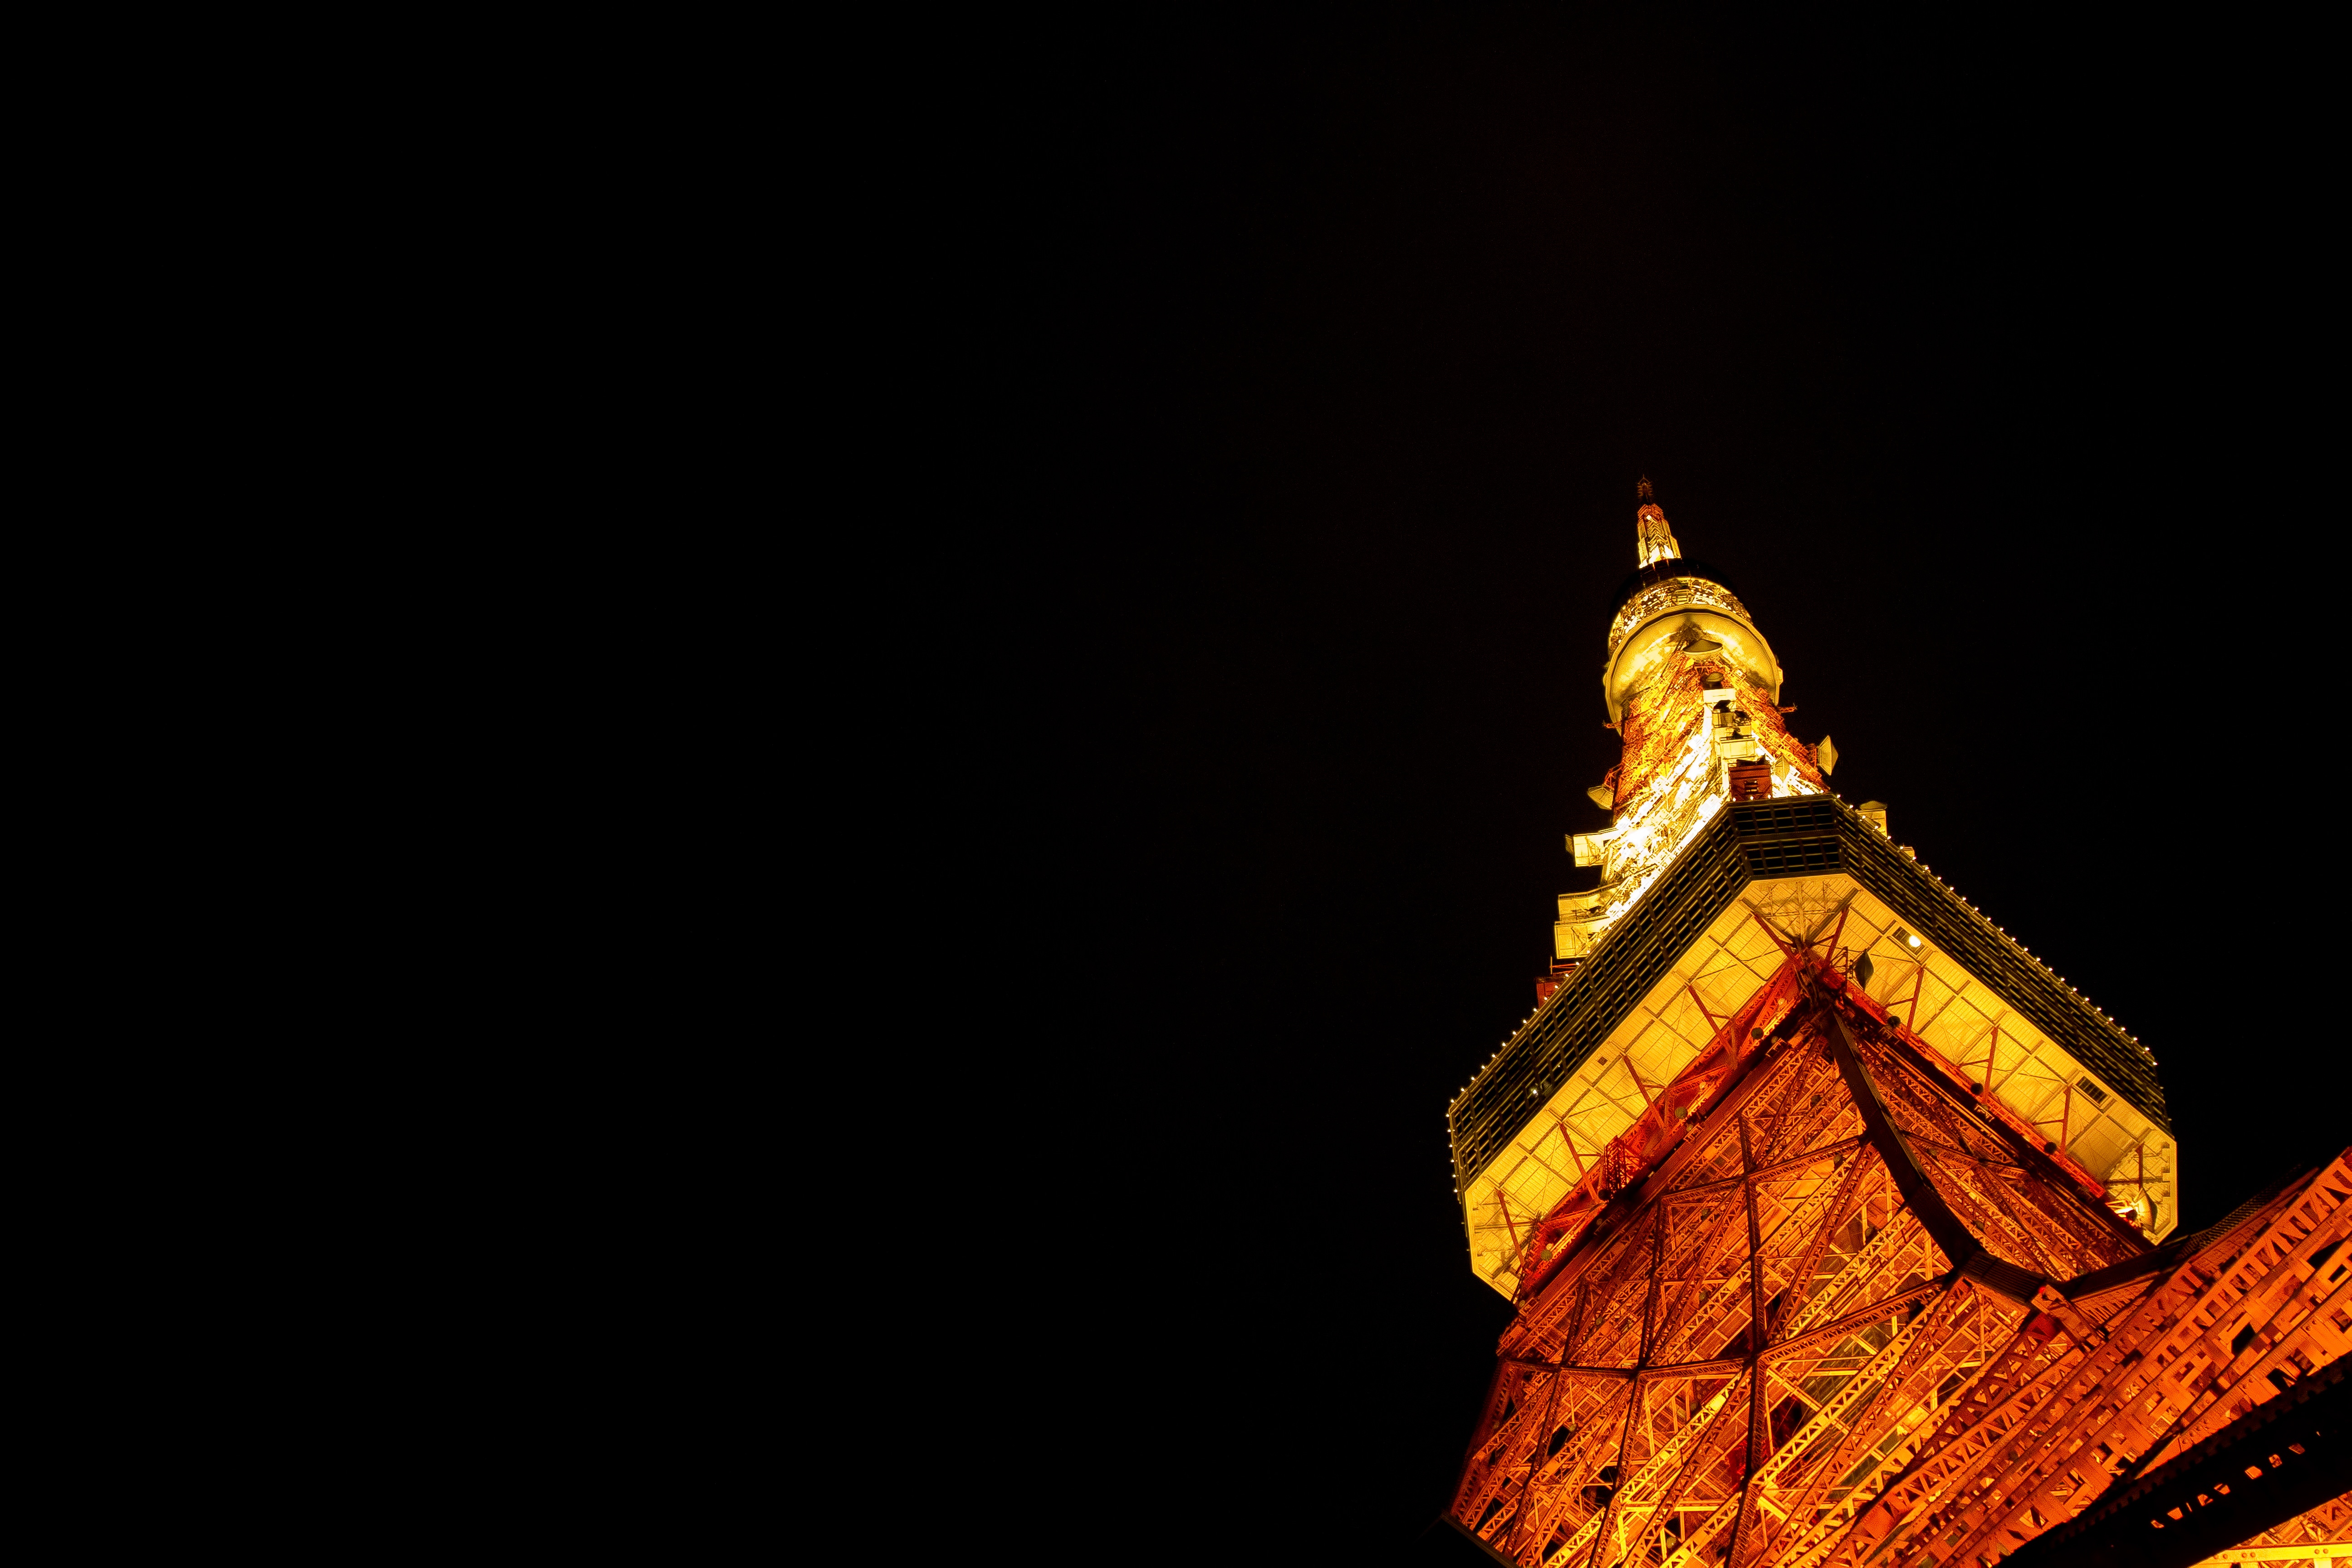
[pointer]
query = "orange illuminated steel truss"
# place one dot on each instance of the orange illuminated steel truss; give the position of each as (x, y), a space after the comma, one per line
(1827, 1303)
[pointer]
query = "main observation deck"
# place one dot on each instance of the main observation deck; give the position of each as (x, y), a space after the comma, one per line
(1760, 878)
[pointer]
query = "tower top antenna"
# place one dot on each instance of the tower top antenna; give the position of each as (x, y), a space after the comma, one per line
(1654, 541)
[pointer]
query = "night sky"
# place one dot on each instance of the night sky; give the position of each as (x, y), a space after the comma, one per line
(1981, 365)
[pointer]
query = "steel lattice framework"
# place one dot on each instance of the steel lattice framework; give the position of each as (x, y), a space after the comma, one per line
(1826, 1326)
(2330, 1524)
(1841, 1230)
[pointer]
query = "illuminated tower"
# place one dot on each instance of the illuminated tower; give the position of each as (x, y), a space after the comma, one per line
(1840, 1229)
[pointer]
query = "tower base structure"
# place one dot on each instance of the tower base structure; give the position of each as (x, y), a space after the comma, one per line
(1848, 1314)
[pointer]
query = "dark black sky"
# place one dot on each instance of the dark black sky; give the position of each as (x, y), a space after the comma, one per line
(1990, 366)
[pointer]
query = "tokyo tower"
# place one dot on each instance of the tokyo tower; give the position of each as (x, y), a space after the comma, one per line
(1839, 1229)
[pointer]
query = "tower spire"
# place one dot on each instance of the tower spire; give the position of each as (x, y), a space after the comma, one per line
(1654, 541)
